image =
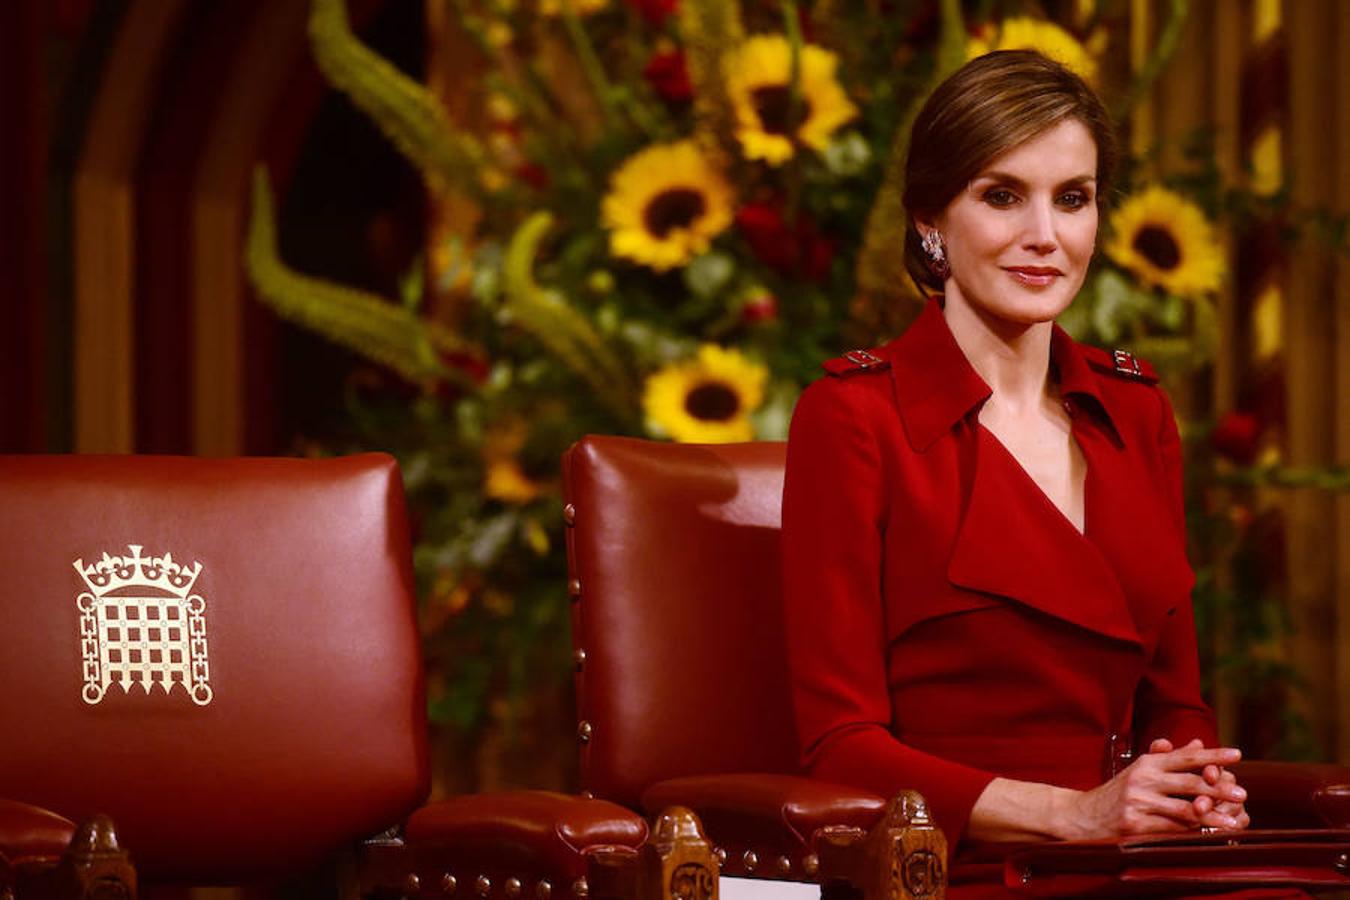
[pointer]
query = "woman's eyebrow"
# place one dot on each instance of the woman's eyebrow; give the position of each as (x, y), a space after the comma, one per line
(1012, 180)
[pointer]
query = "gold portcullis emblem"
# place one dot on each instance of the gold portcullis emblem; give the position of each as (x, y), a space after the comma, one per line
(141, 625)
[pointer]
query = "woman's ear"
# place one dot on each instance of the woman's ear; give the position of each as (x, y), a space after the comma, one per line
(925, 224)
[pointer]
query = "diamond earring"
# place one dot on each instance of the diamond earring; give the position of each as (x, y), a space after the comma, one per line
(936, 252)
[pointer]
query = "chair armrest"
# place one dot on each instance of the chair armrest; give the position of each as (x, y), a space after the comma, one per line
(1296, 795)
(518, 840)
(764, 824)
(32, 833)
(90, 865)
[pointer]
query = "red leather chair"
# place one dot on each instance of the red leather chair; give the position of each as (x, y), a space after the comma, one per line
(223, 657)
(683, 699)
(29, 837)
(681, 681)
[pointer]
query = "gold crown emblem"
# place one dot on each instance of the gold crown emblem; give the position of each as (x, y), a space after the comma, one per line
(142, 625)
(114, 574)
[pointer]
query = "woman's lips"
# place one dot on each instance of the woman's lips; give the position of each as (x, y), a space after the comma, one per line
(1035, 276)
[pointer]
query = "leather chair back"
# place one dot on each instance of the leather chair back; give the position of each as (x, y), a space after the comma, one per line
(673, 551)
(222, 655)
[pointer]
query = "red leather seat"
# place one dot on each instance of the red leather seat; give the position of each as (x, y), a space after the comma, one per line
(681, 680)
(222, 655)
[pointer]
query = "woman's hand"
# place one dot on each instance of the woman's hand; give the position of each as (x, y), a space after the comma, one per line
(1228, 813)
(1151, 795)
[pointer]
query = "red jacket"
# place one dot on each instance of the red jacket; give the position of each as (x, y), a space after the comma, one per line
(946, 623)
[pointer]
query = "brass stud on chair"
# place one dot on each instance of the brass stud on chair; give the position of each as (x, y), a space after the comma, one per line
(580, 888)
(579, 658)
(543, 889)
(412, 885)
(584, 731)
(483, 885)
(512, 887)
(448, 884)
(569, 514)
(811, 864)
(721, 855)
(1343, 864)
(784, 865)
(588, 795)
(574, 589)
(751, 859)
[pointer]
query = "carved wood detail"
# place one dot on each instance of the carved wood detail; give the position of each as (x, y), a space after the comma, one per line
(903, 857)
(94, 867)
(677, 862)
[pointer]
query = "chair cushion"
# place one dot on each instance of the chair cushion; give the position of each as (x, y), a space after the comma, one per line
(522, 831)
(774, 816)
(30, 832)
(221, 655)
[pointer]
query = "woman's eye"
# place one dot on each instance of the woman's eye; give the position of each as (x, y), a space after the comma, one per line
(999, 197)
(1074, 200)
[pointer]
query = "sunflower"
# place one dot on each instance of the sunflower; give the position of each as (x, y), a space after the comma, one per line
(1025, 33)
(664, 205)
(504, 478)
(1166, 241)
(707, 399)
(759, 80)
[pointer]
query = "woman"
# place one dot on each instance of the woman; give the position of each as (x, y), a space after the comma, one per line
(987, 590)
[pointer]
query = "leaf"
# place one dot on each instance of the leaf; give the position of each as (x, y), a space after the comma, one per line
(1119, 305)
(710, 30)
(407, 113)
(707, 274)
(384, 332)
(566, 333)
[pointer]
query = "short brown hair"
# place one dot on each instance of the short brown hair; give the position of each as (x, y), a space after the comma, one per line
(986, 108)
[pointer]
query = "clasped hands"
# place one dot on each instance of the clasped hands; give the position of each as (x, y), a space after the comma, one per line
(1169, 789)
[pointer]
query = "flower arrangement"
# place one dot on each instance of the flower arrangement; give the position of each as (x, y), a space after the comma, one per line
(681, 208)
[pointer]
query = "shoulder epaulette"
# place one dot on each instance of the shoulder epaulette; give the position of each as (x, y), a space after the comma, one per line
(1121, 363)
(854, 362)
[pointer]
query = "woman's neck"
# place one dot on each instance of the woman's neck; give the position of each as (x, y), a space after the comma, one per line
(1012, 358)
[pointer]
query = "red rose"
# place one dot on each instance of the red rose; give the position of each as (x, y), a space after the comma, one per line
(760, 308)
(669, 74)
(1236, 436)
(474, 366)
(800, 251)
(655, 11)
(533, 174)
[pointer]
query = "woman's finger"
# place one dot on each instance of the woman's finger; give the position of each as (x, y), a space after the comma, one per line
(1160, 745)
(1196, 758)
(1186, 784)
(1174, 808)
(1216, 819)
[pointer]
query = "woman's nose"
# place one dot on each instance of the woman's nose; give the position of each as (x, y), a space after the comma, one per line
(1039, 228)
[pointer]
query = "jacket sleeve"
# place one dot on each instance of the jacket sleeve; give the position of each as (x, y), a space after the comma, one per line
(1168, 702)
(834, 512)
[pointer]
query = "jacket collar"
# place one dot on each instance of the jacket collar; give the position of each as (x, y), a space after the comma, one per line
(936, 386)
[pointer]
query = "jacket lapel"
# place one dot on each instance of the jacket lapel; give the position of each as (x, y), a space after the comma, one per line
(1013, 542)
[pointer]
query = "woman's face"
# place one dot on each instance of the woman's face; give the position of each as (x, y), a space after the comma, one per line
(1020, 236)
